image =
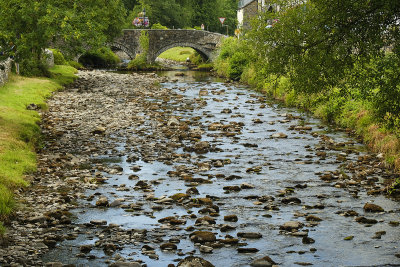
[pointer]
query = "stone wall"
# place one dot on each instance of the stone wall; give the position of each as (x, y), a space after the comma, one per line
(5, 69)
(249, 12)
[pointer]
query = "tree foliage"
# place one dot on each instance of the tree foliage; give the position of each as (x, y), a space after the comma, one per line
(27, 27)
(188, 13)
(315, 43)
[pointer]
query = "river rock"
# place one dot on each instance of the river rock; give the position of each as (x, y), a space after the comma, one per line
(194, 262)
(125, 264)
(249, 235)
(369, 207)
(366, 220)
(205, 249)
(102, 202)
(231, 218)
(247, 250)
(263, 262)
(86, 248)
(313, 218)
(291, 225)
(205, 220)
(202, 237)
(279, 135)
(168, 246)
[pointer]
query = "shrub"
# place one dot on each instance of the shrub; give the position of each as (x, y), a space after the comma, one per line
(75, 64)
(33, 68)
(196, 58)
(237, 64)
(58, 57)
(102, 57)
(140, 62)
(158, 26)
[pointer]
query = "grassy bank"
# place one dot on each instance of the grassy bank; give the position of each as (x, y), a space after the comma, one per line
(19, 129)
(179, 54)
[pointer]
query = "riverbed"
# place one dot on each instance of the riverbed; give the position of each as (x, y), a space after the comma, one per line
(153, 168)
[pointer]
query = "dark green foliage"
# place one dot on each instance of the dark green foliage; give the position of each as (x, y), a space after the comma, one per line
(378, 81)
(183, 14)
(75, 64)
(196, 59)
(158, 26)
(237, 63)
(28, 27)
(33, 67)
(59, 57)
(102, 57)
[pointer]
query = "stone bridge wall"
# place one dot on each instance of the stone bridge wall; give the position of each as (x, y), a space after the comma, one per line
(5, 69)
(161, 40)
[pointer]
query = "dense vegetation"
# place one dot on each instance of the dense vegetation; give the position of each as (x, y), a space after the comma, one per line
(339, 59)
(186, 13)
(28, 27)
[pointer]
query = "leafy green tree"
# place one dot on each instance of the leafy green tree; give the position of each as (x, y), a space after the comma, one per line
(27, 27)
(315, 43)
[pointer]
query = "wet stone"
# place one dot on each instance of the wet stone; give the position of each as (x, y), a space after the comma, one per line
(263, 262)
(231, 218)
(168, 246)
(292, 225)
(369, 207)
(194, 262)
(247, 250)
(202, 237)
(249, 235)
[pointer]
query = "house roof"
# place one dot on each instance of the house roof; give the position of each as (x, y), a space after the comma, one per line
(243, 3)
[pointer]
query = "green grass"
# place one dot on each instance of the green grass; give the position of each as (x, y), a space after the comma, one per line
(20, 131)
(179, 54)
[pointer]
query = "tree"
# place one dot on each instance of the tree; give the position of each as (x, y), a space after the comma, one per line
(317, 42)
(28, 27)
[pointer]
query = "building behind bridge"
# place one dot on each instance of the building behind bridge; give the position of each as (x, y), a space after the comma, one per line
(247, 9)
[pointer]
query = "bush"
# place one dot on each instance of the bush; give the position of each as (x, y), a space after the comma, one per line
(102, 57)
(33, 68)
(158, 26)
(196, 59)
(140, 62)
(75, 64)
(237, 63)
(58, 57)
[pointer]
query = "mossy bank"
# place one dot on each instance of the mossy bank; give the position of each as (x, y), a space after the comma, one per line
(20, 134)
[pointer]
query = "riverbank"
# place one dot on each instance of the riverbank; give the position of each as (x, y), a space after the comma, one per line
(20, 100)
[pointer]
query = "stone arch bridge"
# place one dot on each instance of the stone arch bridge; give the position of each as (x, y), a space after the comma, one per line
(203, 42)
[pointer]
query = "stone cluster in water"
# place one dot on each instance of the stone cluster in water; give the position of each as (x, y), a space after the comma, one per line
(89, 121)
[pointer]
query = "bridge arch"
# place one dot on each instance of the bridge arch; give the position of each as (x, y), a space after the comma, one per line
(198, 48)
(123, 48)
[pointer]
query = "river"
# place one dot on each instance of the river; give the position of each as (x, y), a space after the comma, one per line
(196, 166)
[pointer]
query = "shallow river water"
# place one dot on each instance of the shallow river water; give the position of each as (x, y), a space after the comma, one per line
(286, 166)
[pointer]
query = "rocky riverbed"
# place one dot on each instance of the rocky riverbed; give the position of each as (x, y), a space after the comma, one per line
(141, 170)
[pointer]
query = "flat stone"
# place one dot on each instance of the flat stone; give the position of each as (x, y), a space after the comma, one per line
(263, 262)
(202, 237)
(291, 225)
(194, 262)
(249, 235)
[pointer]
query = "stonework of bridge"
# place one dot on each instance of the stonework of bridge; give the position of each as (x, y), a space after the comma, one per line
(203, 42)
